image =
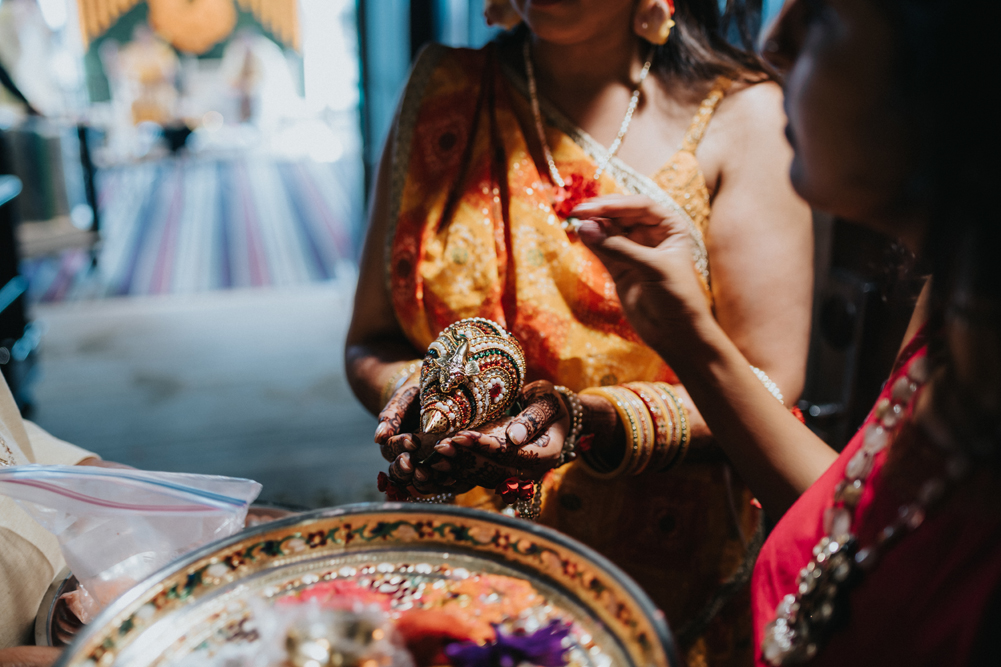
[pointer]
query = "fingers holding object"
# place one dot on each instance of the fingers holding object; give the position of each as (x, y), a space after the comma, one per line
(401, 470)
(424, 479)
(445, 448)
(430, 477)
(392, 416)
(481, 452)
(629, 210)
(398, 444)
(543, 407)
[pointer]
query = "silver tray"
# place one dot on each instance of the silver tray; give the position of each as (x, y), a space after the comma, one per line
(190, 603)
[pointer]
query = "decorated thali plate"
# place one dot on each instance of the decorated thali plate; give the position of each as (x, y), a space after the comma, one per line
(478, 565)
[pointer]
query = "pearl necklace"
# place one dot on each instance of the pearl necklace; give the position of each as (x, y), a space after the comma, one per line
(541, 130)
(804, 620)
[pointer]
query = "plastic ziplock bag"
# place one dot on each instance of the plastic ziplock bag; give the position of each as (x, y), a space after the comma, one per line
(116, 526)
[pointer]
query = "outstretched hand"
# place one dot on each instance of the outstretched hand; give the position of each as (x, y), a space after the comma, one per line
(525, 446)
(648, 252)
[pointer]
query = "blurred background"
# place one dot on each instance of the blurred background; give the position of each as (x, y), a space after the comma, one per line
(182, 195)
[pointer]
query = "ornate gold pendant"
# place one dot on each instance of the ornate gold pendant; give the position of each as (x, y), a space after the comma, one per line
(472, 374)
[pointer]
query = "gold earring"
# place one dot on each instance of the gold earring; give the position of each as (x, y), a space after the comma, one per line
(653, 20)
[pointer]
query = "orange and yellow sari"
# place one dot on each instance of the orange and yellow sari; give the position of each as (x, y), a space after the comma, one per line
(473, 234)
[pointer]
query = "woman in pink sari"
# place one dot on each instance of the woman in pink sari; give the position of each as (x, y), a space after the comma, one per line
(889, 553)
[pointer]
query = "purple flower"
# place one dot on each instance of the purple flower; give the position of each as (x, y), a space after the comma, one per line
(543, 648)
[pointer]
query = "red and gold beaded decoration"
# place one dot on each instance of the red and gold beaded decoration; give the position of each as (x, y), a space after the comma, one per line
(472, 374)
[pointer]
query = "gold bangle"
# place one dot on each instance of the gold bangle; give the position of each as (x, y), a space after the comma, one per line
(638, 427)
(643, 452)
(671, 451)
(684, 433)
(399, 378)
(628, 424)
(663, 422)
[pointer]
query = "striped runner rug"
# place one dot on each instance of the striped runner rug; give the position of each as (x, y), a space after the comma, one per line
(188, 225)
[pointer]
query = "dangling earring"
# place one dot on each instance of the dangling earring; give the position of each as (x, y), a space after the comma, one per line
(653, 20)
(500, 13)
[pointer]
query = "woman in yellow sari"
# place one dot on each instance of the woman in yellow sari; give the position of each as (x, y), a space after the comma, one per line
(469, 220)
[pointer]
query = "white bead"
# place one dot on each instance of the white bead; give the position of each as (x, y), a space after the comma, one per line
(788, 606)
(876, 438)
(859, 466)
(903, 389)
(881, 407)
(837, 524)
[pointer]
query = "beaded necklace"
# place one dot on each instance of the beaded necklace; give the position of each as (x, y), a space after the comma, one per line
(540, 129)
(805, 619)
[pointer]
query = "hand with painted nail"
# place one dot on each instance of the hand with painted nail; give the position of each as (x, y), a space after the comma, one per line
(525, 445)
(543, 413)
(529, 443)
(402, 412)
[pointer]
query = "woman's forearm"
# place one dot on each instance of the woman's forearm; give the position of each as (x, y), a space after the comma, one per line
(776, 455)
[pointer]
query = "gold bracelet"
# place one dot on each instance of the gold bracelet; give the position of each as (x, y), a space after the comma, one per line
(684, 434)
(628, 424)
(663, 421)
(648, 436)
(674, 438)
(399, 378)
(638, 427)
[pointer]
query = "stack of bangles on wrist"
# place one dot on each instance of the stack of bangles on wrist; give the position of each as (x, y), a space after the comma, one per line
(656, 426)
(400, 378)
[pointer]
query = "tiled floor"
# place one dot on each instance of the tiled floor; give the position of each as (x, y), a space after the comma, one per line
(246, 383)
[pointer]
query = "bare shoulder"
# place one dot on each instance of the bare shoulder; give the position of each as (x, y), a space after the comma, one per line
(749, 121)
(752, 99)
(747, 109)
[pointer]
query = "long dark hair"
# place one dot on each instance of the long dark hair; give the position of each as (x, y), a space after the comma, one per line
(706, 42)
(944, 57)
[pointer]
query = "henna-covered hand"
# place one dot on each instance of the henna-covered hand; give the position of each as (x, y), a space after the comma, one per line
(471, 459)
(526, 445)
(401, 413)
(416, 465)
(543, 407)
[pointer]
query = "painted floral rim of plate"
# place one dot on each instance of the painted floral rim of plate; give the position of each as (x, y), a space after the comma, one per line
(601, 587)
